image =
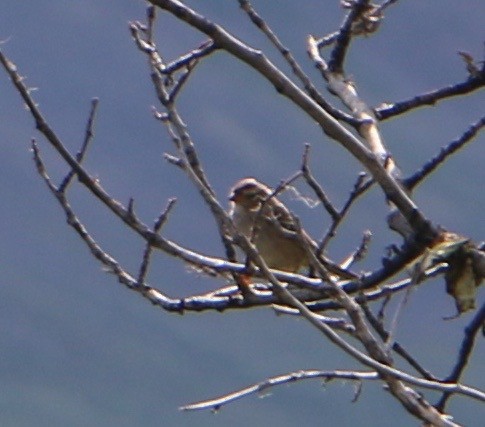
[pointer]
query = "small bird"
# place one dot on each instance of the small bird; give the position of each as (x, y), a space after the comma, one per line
(259, 215)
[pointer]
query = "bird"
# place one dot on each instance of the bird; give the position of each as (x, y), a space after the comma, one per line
(260, 216)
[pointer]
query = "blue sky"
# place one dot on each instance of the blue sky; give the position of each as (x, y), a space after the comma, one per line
(78, 349)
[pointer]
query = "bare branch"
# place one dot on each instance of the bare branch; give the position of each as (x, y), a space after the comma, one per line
(369, 294)
(89, 134)
(342, 41)
(476, 324)
(159, 223)
(444, 153)
(151, 18)
(182, 62)
(338, 323)
(388, 111)
(315, 186)
(263, 386)
(360, 252)
(178, 85)
(362, 184)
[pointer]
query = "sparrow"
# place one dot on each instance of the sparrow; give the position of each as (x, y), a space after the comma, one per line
(259, 215)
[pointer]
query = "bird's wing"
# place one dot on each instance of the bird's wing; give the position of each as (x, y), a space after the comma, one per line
(280, 214)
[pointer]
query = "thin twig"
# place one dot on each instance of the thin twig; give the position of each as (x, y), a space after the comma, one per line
(326, 40)
(338, 323)
(360, 252)
(398, 311)
(316, 187)
(151, 18)
(396, 346)
(263, 386)
(381, 314)
(88, 137)
(203, 50)
(159, 223)
(471, 331)
(362, 184)
(179, 83)
(143, 36)
(365, 294)
(430, 166)
(390, 110)
(343, 38)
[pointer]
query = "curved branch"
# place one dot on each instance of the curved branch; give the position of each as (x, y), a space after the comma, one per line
(261, 387)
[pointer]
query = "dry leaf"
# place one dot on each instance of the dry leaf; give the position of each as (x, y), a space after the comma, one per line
(462, 279)
(464, 273)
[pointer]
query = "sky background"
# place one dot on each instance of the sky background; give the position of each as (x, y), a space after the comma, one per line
(78, 349)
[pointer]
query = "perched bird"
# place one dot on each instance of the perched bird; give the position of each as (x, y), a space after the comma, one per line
(265, 219)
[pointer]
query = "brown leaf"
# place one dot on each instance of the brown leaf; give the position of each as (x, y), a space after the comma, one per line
(461, 282)
(462, 277)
